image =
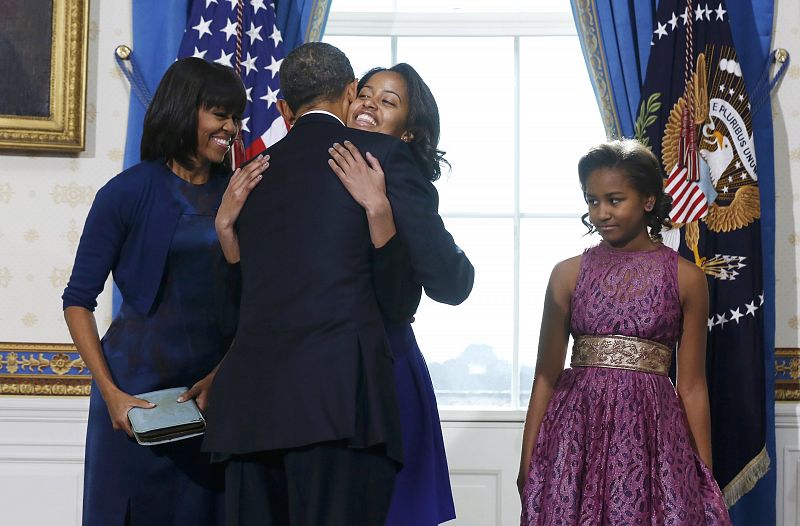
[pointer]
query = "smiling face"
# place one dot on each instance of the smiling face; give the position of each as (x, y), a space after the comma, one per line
(382, 106)
(216, 128)
(617, 209)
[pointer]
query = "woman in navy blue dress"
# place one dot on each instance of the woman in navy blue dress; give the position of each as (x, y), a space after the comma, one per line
(396, 101)
(152, 227)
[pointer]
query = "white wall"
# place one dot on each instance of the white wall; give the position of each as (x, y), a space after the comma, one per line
(43, 203)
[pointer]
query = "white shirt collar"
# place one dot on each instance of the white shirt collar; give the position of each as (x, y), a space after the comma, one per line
(324, 112)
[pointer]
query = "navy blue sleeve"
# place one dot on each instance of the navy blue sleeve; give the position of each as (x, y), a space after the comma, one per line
(102, 239)
(397, 293)
(440, 266)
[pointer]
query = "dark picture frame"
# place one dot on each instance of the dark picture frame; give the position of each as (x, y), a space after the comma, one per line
(43, 50)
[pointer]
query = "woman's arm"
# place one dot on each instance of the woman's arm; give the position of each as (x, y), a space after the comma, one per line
(83, 329)
(553, 339)
(367, 185)
(242, 182)
(691, 370)
(397, 292)
(103, 236)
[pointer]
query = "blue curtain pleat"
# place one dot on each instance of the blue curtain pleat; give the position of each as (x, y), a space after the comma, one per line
(624, 32)
(751, 29)
(301, 20)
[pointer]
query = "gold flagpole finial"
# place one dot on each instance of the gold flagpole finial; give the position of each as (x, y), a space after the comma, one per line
(781, 55)
(123, 51)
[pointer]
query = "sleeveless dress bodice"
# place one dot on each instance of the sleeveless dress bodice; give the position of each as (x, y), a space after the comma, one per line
(627, 294)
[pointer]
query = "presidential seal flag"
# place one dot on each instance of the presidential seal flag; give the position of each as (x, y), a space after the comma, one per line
(243, 34)
(695, 114)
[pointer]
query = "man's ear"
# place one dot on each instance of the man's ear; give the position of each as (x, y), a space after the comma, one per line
(286, 112)
(352, 91)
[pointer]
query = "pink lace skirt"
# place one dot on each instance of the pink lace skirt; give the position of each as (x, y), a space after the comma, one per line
(614, 449)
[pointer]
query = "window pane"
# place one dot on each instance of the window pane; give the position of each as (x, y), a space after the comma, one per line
(365, 6)
(559, 123)
(543, 243)
(473, 82)
(469, 347)
(495, 6)
(364, 52)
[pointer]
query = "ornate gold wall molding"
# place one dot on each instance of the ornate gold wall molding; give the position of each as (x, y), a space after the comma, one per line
(46, 369)
(787, 374)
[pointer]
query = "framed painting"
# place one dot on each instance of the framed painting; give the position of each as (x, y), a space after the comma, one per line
(43, 47)
(44, 369)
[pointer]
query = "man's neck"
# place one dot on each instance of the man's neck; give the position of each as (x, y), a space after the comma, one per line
(330, 107)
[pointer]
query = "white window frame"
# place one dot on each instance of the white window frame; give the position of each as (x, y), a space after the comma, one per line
(516, 25)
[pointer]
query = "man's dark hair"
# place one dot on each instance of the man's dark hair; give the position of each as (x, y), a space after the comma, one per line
(170, 125)
(314, 72)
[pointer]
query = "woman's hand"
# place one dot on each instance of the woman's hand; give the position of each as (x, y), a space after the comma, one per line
(118, 404)
(239, 187)
(363, 179)
(199, 391)
(367, 185)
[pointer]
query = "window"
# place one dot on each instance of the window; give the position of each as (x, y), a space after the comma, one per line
(517, 111)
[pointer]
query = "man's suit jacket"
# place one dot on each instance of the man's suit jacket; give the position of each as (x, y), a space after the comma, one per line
(310, 362)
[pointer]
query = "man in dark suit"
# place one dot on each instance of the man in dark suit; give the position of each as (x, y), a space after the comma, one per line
(304, 405)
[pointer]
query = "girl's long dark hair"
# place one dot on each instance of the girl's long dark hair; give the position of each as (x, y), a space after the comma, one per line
(423, 120)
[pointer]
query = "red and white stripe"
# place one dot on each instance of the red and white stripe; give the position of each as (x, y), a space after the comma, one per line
(688, 200)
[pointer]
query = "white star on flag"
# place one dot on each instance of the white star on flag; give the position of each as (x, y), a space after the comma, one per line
(229, 30)
(274, 66)
(698, 13)
(257, 4)
(254, 33)
(202, 27)
(249, 64)
(720, 12)
(661, 30)
(673, 22)
(685, 15)
(224, 59)
(276, 35)
(271, 96)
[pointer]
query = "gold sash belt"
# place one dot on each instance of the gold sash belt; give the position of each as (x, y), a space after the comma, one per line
(621, 352)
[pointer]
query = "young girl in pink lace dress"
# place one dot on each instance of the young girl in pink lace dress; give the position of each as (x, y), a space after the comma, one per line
(609, 441)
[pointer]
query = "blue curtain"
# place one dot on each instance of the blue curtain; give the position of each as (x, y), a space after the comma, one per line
(301, 20)
(751, 28)
(615, 37)
(158, 28)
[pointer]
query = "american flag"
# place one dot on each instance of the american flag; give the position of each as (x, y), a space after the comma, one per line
(242, 34)
(689, 203)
